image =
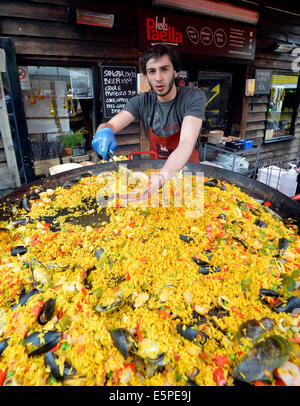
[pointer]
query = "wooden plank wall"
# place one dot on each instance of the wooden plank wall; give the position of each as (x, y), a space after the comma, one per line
(43, 32)
(273, 26)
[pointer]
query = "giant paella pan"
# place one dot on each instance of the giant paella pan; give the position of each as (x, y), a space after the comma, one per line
(148, 295)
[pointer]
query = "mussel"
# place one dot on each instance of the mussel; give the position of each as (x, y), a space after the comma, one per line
(46, 312)
(98, 252)
(283, 244)
(104, 308)
(18, 250)
(255, 329)
(124, 341)
(40, 342)
(25, 297)
(191, 333)
(186, 238)
(263, 358)
(3, 345)
(50, 361)
(21, 221)
(260, 223)
(26, 204)
(205, 270)
(292, 303)
(199, 261)
(211, 182)
(240, 241)
(140, 300)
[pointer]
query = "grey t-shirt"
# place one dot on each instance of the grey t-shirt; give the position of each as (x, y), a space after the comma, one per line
(166, 118)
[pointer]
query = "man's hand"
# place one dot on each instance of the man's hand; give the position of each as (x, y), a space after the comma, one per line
(104, 141)
(156, 182)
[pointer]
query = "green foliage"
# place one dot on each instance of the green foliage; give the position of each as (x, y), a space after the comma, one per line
(72, 140)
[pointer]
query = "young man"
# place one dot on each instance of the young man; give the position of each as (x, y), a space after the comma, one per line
(171, 116)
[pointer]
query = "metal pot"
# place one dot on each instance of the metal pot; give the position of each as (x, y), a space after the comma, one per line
(281, 204)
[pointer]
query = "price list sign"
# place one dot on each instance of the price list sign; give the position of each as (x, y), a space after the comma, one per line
(118, 84)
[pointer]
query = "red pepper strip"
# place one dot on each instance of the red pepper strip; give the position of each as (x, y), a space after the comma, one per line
(138, 331)
(222, 360)
(116, 377)
(127, 276)
(59, 314)
(15, 237)
(163, 314)
(176, 356)
(34, 237)
(218, 377)
(3, 376)
(56, 347)
(84, 292)
(236, 311)
(268, 204)
(130, 365)
(261, 383)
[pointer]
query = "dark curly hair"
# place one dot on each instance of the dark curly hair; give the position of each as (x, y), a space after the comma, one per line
(158, 50)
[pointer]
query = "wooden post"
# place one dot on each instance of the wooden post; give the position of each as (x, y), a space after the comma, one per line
(9, 173)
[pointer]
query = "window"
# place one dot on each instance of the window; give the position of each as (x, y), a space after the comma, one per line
(282, 107)
(216, 86)
(57, 101)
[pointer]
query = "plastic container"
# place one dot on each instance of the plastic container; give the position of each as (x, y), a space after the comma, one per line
(246, 143)
(270, 175)
(288, 182)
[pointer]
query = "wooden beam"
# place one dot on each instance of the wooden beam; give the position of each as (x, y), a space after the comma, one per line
(35, 11)
(83, 49)
(51, 29)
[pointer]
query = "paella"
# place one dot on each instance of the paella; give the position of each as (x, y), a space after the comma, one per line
(145, 294)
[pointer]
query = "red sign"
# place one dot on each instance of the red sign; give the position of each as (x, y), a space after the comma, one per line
(196, 35)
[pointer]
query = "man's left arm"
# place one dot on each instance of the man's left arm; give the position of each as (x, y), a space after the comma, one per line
(190, 129)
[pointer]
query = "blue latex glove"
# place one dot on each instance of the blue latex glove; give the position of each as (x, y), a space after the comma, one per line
(104, 141)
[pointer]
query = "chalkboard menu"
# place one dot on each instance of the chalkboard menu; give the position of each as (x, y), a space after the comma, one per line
(262, 81)
(118, 84)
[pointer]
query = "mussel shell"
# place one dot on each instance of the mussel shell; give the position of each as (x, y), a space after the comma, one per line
(292, 303)
(22, 221)
(24, 298)
(254, 329)
(267, 355)
(99, 308)
(283, 244)
(199, 261)
(186, 238)
(46, 312)
(260, 223)
(18, 250)
(240, 241)
(204, 270)
(123, 340)
(268, 292)
(98, 252)
(40, 342)
(211, 182)
(189, 332)
(49, 359)
(208, 253)
(33, 196)
(26, 204)
(3, 345)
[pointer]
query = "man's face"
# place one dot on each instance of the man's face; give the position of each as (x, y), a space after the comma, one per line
(161, 77)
